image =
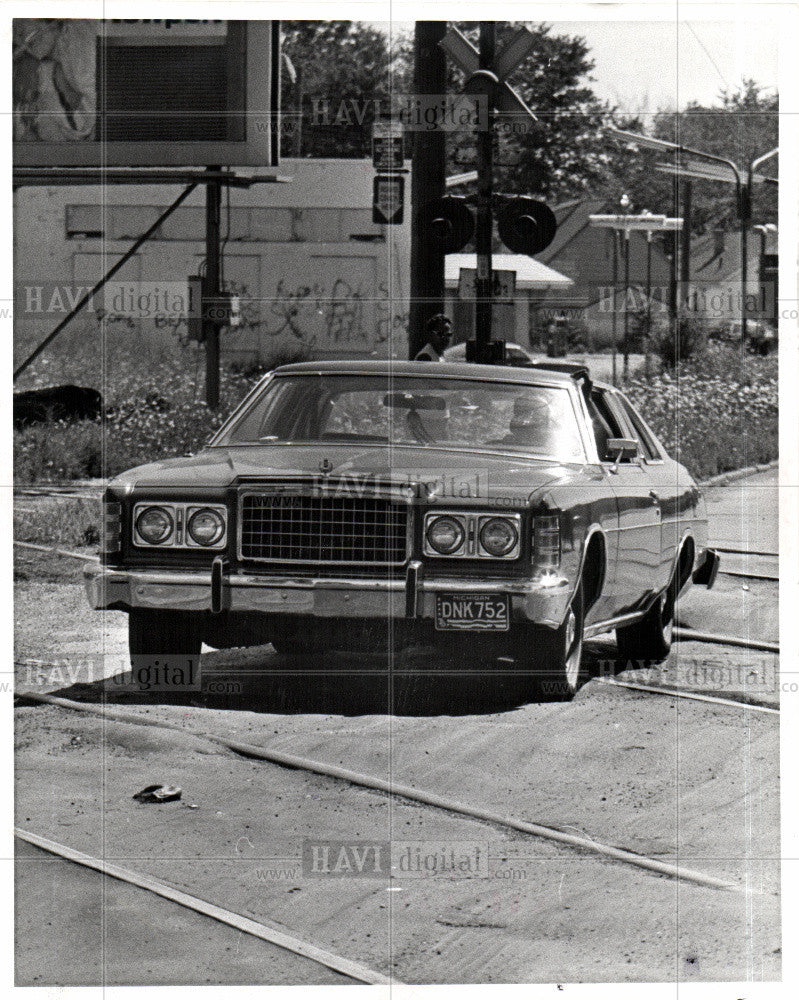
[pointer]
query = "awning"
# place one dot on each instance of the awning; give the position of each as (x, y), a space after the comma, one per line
(530, 273)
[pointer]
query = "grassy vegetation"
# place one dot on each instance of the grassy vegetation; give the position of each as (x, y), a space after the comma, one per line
(715, 413)
(67, 522)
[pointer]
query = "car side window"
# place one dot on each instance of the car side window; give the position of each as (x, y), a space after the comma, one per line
(603, 421)
(646, 445)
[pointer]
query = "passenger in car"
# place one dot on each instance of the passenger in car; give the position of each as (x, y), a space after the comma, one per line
(532, 425)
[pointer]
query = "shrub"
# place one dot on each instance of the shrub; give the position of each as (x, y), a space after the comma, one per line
(684, 340)
(58, 451)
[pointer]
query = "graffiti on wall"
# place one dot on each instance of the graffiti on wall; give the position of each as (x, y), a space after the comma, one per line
(319, 317)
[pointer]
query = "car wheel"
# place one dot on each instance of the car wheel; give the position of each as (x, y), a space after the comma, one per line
(153, 633)
(556, 656)
(649, 640)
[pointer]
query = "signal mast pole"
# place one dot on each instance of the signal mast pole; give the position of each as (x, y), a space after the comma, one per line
(427, 185)
(484, 227)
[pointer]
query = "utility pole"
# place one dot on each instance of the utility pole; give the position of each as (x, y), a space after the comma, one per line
(685, 249)
(427, 184)
(213, 203)
(614, 320)
(484, 227)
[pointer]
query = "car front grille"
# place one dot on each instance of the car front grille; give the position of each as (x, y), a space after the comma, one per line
(322, 529)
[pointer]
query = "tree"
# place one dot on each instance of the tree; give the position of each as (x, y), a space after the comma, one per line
(345, 73)
(336, 75)
(742, 126)
(561, 154)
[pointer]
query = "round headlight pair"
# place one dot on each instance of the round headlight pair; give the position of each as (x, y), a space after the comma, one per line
(155, 525)
(497, 536)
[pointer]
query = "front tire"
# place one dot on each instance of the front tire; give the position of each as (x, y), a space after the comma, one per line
(556, 656)
(648, 641)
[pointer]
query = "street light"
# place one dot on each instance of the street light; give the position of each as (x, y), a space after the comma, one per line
(626, 223)
(626, 207)
(743, 187)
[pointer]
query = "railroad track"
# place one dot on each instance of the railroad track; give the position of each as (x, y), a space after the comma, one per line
(583, 845)
(418, 795)
(354, 971)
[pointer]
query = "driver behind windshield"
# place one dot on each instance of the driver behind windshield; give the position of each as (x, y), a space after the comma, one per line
(532, 425)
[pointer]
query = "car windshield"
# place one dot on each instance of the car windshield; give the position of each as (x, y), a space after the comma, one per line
(409, 410)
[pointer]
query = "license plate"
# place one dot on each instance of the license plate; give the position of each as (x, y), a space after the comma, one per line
(475, 612)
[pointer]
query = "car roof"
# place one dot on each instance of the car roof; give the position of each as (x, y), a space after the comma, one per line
(511, 347)
(452, 369)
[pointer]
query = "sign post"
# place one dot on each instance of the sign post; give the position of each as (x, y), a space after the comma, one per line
(484, 226)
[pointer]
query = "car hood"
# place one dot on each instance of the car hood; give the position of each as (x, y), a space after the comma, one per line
(458, 474)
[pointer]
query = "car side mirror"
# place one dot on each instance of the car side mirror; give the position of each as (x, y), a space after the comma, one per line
(620, 450)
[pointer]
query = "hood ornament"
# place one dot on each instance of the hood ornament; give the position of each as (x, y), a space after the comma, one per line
(325, 466)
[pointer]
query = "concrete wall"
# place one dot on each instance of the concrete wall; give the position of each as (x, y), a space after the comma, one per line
(311, 268)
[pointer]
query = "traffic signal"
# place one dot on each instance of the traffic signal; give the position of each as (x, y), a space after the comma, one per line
(447, 222)
(526, 226)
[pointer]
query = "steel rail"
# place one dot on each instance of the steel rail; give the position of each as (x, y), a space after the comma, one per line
(745, 552)
(689, 635)
(749, 576)
(691, 695)
(410, 794)
(345, 966)
(53, 550)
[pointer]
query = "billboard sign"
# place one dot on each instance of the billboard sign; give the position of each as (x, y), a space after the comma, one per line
(145, 92)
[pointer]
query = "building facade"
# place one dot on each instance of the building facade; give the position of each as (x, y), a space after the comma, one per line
(311, 269)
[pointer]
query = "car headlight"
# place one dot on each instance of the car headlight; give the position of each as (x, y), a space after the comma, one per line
(445, 535)
(206, 526)
(154, 525)
(498, 536)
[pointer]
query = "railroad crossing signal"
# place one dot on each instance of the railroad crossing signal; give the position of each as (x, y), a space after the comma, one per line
(448, 222)
(492, 82)
(388, 200)
(527, 226)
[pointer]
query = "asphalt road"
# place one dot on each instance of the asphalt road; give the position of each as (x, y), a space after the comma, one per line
(684, 782)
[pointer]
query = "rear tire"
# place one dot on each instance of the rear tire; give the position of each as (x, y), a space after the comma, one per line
(555, 656)
(648, 641)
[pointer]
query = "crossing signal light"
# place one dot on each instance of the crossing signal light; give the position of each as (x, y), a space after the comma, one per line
(526, 226)
(449, 223)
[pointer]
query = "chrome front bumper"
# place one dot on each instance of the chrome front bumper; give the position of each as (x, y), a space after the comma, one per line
(338, 597)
